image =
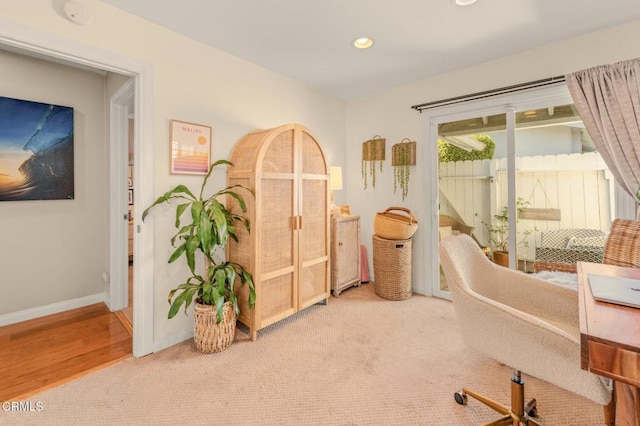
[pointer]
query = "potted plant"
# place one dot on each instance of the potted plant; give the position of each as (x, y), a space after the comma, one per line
(403, 155)
(499, 233)
(373, 151)
(208, 228)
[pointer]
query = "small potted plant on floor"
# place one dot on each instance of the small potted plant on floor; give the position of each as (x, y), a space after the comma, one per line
(499, 234)
(208, 228)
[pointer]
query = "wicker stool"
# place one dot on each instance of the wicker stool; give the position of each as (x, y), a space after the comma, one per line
(392, 268)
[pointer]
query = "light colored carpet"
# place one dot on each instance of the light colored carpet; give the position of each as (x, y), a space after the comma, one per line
(360, 360)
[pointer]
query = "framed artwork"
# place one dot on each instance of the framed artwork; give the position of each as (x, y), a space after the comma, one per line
(131, 197)
(36, 151)
(190, 148)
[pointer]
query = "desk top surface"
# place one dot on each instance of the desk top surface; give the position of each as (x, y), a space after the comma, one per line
(608, 323)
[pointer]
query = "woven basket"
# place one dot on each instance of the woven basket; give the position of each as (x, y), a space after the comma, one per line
(209, 336)
(392, 268)
(623, 244)
(392, 226)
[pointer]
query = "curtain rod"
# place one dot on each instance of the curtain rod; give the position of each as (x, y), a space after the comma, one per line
(489, 93)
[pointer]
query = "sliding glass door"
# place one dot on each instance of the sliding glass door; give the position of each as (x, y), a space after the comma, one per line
(506, 171)
(466, 180)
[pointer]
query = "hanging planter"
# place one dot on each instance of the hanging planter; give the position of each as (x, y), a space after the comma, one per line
(403, 155)
(372, 151)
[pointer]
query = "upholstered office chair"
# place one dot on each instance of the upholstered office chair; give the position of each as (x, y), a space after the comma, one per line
(623, 244)
(521, 321)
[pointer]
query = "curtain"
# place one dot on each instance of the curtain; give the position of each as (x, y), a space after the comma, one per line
(608, 101)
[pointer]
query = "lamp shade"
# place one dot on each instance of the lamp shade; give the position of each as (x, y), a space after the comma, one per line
(335, 178)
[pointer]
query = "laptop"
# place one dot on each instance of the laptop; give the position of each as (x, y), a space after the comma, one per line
(621, 291)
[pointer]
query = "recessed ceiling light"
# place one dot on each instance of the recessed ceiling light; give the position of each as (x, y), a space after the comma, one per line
(363, 43)
(464, 2)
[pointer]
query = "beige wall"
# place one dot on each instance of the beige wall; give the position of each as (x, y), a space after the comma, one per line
(54, 251)
(195, 83)
(389, 114)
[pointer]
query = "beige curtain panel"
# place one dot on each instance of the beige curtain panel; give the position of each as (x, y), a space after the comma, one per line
(608, 100)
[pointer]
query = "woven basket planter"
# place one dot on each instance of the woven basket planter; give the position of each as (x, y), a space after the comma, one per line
(373, 149)
(209, 336)
(403, 154)
(392, 268)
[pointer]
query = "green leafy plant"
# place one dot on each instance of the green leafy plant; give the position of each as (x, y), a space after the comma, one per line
(448, 153)
(402, 158)
(373, 151)
(209, 227)
(499, 233)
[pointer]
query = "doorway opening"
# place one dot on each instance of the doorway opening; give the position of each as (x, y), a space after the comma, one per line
(57, 49)
(122, 205)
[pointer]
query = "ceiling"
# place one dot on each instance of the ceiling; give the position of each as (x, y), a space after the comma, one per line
(565, 115)
(312, 41)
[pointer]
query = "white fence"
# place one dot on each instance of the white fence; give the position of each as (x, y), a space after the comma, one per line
(578, 185)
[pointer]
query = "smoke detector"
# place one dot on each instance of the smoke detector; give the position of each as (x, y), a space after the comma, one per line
(77, 12)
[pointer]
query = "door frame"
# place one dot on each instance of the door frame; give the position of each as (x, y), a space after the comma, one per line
(118, 208)
(51, 47)
(500, 104)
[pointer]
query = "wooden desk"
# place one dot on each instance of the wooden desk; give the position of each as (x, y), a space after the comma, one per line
(610, 340)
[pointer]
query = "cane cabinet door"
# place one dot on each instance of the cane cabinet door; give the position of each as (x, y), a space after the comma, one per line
(287, 250)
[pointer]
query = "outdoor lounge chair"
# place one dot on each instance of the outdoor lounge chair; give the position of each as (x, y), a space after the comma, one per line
(445, 220)
(561, 249)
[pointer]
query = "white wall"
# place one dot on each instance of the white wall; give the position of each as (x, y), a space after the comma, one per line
(54, 251)
(195, 83)
(389, 114)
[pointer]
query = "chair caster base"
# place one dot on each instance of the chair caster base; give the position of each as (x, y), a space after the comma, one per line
(522, 417)
(461, 398)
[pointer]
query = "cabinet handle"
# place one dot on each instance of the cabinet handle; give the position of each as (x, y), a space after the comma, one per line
(340, 243)
(296, 222)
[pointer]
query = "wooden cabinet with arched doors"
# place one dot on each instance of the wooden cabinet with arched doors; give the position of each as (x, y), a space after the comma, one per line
(287, 250)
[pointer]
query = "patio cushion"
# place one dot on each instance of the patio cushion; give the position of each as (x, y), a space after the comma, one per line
(586, 243)
(445, 231)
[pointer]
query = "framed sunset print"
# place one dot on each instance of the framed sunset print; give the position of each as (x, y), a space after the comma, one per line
(190, 148)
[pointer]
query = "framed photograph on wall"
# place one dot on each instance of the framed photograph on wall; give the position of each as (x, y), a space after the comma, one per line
(131, 197)
(190, 148)
(36, 151)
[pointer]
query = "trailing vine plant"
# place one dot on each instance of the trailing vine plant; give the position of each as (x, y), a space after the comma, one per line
(372, 151)
(403, 156)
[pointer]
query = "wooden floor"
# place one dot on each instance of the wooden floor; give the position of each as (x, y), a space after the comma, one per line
(45, 352)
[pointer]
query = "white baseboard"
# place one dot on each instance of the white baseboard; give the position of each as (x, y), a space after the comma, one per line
(172, 340)
(53, 308)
